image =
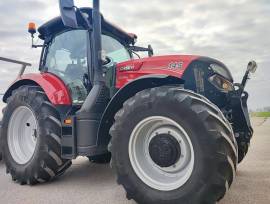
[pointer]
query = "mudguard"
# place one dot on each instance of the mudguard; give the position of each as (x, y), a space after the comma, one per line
(53, 86)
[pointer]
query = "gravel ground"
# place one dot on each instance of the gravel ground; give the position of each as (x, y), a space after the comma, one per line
(95, 184)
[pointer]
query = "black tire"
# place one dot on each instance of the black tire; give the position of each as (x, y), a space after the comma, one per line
(242, 151)
(46, 162)
(101, 159)
(211, 135)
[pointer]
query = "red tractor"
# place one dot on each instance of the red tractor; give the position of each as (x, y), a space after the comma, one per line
(173, 127)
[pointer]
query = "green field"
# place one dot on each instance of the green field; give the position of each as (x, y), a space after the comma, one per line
(261, 114)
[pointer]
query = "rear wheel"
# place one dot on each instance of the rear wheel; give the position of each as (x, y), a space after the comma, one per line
(30, 137)
(170, 145)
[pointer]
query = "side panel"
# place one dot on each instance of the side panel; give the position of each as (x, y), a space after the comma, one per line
(172, 65)
(54, 87)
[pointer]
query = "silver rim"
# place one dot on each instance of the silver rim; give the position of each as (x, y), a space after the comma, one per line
(22, 134)
(153, 175)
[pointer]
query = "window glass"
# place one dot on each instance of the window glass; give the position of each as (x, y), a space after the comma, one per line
(67, 58)
(115, 49)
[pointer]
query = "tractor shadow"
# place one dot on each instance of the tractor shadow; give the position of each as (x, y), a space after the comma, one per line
(83, 171)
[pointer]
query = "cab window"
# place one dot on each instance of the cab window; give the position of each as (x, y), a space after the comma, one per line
(115, 49)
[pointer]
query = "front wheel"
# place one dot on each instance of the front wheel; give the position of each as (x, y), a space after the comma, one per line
(170, 145)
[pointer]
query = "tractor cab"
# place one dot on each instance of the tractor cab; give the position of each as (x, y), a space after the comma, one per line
(66, 51)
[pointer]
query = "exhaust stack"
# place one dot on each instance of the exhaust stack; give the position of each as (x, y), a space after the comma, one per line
(89, 116)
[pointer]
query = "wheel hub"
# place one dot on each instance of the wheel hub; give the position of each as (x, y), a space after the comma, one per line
(22, 134)
(164, 150)
(161, 153)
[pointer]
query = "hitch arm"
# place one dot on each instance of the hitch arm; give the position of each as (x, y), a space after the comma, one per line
(24, 64)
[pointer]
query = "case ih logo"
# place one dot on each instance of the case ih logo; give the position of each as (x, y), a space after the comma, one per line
(127, 68)
(176, 65)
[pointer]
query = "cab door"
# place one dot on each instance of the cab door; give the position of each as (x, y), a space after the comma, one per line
(66, 57)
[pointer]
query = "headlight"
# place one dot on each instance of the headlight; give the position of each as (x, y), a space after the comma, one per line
(221, 83)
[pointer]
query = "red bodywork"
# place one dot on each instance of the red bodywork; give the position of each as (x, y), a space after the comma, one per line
(58, 93)
(130, 70)
(54, 87)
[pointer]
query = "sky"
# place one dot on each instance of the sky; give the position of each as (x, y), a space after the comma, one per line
(231, 31)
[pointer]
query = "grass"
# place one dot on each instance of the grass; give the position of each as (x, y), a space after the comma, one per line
(261, 114)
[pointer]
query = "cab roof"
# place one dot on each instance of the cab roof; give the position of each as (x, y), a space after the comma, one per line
(56, 26)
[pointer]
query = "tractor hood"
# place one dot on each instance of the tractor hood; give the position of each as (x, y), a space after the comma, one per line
(172, 65)
(159, 64)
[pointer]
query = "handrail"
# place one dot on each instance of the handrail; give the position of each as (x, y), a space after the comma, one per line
(24, 64)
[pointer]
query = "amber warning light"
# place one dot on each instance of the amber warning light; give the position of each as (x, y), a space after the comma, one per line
(32, 28)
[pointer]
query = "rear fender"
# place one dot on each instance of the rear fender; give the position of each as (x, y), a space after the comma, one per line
(54, 87)
(129, 90)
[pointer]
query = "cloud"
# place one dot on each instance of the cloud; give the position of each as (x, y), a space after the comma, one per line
(231, 31)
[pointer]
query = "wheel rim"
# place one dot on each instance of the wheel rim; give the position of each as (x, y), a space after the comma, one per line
(22, 134)
(161, 177)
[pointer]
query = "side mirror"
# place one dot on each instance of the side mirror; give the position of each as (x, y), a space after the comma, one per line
(68, 13)
(252, 67)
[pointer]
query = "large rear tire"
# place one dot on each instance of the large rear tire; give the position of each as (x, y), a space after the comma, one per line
(170, 145)
(30, 137)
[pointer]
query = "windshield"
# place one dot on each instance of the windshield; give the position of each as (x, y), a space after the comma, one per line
(115, 49)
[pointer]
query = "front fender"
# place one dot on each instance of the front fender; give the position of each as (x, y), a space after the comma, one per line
(129, 90)
(54, 87)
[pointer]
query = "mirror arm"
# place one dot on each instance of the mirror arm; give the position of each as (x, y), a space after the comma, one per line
(33, 45)
(245, 78)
